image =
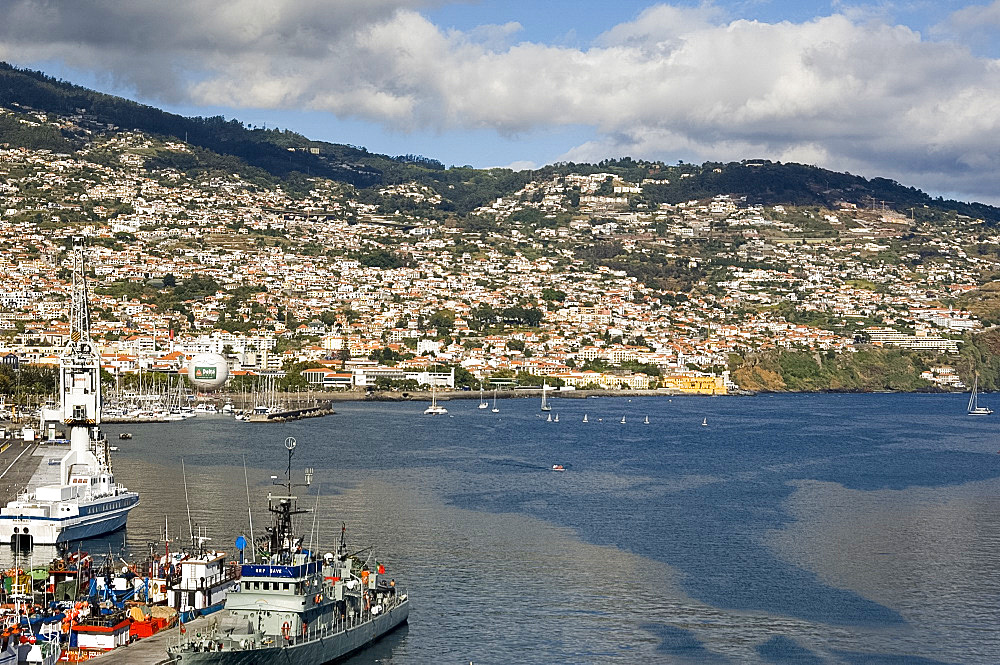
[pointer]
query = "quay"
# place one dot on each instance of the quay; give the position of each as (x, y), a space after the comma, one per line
(152, 650)
(18, 463)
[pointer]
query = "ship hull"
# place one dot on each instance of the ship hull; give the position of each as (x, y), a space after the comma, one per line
(25, 531)
(317, 652)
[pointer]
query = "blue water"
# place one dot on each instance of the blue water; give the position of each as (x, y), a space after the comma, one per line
(790, 529)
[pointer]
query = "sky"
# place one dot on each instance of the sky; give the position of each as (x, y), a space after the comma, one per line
(904, 89)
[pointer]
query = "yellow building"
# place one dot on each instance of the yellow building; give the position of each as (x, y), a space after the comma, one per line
(695, 385)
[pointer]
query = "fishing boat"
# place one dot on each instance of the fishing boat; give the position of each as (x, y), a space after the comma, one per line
(434, 409)
(974, 408)
(294, 605)
(545, 404)
(495, 409)
(86, 501)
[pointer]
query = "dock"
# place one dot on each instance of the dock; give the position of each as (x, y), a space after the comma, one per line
(19, 462)
(151, 650)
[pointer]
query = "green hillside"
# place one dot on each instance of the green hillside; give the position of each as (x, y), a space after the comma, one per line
(288, 156)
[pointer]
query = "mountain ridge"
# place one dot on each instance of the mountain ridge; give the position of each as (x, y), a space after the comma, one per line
(289, 156)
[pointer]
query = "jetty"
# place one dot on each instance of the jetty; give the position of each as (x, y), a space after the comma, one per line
(291, 414)
(153, 650)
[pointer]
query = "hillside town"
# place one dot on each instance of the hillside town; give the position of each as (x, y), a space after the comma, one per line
(574, 280)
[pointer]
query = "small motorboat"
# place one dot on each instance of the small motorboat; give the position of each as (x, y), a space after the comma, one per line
(558, 467)
(125, 435)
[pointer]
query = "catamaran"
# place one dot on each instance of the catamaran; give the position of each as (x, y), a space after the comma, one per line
(974, 408)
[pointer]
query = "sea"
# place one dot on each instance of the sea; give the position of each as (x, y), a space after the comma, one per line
(849, 529)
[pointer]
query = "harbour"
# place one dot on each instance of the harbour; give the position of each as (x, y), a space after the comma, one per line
(789, 524)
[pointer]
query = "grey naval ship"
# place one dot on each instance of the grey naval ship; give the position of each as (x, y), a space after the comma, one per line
(295, 606)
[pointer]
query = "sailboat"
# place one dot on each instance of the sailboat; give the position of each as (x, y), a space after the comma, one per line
(495, 409)
(623, 420)
(585, 418)
(974, 408)
(545, 406)
(646, 421)
(482, 402)
(549, 419)
(704, 421)
(556, 419)
(434, 409)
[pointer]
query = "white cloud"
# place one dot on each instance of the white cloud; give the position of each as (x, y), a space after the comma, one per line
(842, 91)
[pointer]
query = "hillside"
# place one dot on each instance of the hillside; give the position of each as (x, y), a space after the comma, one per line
(288, 156)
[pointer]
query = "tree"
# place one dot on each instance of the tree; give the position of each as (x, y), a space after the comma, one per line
(443, 320)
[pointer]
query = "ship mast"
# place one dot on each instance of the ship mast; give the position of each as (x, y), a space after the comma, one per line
(280, 542)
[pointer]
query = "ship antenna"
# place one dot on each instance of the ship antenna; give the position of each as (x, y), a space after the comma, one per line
(249, 511)
(187, 501)
(312, 532)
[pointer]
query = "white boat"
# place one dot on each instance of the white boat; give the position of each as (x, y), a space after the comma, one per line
(556, 419)
(545, 405)
(549, 419)
(646, 421)
(558, 467)
(974, 408)
(704, 422)
(585, 418)
(495, 409)
(623, 420)
(483, 404)
(86, 501)
(434, 409)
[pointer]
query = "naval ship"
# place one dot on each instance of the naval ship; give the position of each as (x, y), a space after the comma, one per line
(86, 502)
(294, 606)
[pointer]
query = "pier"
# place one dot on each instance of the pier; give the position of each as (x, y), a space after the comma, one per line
(18, 463)
(152, 650)
(291, 414)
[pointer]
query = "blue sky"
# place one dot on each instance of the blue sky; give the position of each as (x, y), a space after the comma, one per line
(901, 89)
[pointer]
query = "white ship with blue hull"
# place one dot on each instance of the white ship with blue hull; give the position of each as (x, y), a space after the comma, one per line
(86, 501)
